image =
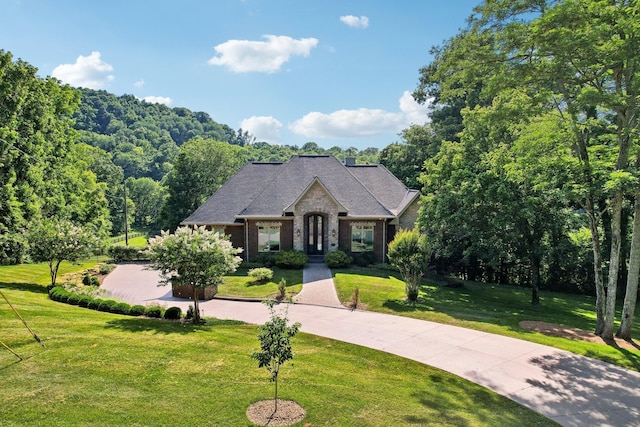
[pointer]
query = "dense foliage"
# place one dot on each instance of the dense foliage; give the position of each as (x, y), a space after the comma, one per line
(44, 171)
(535, 122)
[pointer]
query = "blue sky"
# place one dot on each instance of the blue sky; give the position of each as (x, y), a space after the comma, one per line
(335, 72)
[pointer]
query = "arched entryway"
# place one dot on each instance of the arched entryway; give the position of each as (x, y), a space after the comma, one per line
(314, 234)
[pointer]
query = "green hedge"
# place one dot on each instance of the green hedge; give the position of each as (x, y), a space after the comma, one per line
(60, 294)
(119, 253)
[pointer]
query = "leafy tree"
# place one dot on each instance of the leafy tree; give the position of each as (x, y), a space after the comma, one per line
(275, 345)
(148, 197)
(42, 169)
(410, 252)
(579, 59)
(202, 166)
(54, 240)
(193, 256)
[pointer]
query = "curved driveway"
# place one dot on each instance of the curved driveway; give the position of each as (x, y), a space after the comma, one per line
(570, 389)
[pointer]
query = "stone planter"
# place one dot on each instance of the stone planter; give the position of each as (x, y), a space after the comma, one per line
(186, 291)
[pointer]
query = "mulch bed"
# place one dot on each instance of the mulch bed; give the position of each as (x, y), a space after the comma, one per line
(262, 413)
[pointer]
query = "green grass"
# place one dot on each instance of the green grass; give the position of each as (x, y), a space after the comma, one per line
(239, 284)
(492, 308)
(138, 242)
(109, 370)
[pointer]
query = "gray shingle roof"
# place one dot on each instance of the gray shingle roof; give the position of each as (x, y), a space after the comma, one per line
(266, 189)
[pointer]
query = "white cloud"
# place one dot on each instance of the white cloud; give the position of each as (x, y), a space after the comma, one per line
(139, 83)
(158, 100)
(347, 123)
(242, 56)
(414, 112)
(88, 71)
(354, 21)
(263, 128)
(362, 122)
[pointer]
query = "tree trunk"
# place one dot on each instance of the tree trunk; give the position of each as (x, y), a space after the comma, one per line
(276, 399)
(597, 267)
(535, 279)
(633, 275)
(614, 266)
(196, 308)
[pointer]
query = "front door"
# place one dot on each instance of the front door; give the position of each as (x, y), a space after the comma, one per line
(315, 235)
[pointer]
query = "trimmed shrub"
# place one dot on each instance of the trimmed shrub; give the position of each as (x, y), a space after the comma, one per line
(173, 313)
(282, 289)
(265, 260)
(94, 303)
(137, 310)
(365, 259)
(291, 259)
(153, 311)
(106, 268)
(121, 308)
(84, 301)
(55, 292)
(106, 305)
(74, 299)
(338, 259)
(89, 280)
(261, 275)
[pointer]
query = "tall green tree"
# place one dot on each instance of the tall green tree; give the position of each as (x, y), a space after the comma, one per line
(42, 170)
(202, 166)
(148, 197)
(578, 57)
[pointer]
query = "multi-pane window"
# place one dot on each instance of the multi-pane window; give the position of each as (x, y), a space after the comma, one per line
(361, 237)
(268, 238)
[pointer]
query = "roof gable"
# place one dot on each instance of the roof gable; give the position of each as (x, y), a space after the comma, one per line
(272, 189)
(318, 182)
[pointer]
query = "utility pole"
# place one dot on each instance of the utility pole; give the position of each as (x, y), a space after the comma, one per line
(126, 220)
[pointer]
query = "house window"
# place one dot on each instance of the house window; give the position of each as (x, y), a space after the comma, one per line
(361, 237)
(268, 238)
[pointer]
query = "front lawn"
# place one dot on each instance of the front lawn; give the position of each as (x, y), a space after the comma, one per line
(487, 307)
(112, 370)
(239, 284)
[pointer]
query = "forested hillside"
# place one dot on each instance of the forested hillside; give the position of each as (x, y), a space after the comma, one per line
(157, 150)
(70, 153)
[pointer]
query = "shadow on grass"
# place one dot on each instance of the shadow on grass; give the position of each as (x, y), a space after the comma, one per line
(161, 326)
(446, 398)
(28, 287)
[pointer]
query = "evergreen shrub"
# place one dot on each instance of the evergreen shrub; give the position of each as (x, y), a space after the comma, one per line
(154, 311)
(137, 310)
(291, 259)
(338, 259)
(261, 275)
(173, 313)
(121, 308)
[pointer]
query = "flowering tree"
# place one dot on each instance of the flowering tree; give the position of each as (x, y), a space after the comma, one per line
(193, 256)
(54, 240)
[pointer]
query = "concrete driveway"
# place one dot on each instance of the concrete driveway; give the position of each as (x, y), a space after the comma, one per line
(569, 389)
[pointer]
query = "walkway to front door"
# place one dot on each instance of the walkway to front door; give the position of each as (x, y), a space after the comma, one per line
(318, 287)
